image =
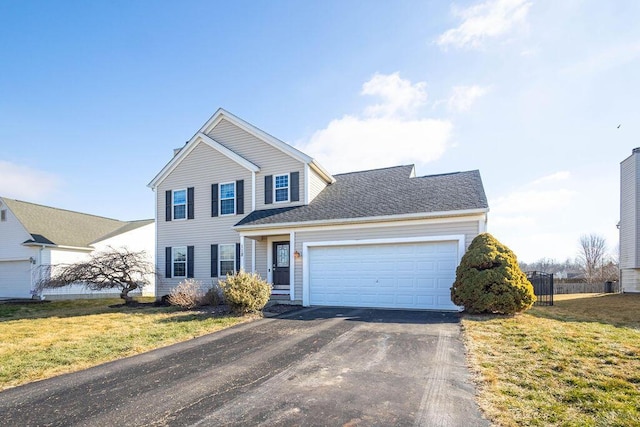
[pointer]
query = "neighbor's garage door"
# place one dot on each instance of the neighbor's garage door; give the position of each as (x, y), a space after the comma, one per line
(15, 279)
(412, 275)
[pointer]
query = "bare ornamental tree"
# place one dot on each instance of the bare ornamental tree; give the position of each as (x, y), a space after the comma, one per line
(113, 269)
(592, 256)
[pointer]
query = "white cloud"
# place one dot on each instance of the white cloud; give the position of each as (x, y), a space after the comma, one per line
(22, 182)
(386, 134)
(464, 96)
(492, 18)
(398, 95)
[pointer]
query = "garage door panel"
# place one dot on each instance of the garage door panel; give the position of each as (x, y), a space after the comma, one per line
(414, 275)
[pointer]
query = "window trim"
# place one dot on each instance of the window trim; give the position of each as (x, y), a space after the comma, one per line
(220, 260)
(3, 215)
(220, 199)
(275, 187)
(173, 261)
(173, 205)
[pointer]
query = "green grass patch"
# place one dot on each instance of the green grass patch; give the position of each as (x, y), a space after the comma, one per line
(39, 341)
(576, 363)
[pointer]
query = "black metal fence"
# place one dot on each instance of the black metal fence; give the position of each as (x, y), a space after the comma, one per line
(542, 286)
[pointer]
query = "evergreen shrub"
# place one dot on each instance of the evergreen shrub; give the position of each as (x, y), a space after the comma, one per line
(489, 280)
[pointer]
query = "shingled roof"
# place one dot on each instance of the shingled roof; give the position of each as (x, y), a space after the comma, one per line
(53, 226)
(381, 192)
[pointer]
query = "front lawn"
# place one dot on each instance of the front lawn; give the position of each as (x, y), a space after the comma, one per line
(576, 363)
(38, 341)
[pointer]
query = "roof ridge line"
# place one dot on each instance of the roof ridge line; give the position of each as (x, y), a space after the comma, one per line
(63, 210)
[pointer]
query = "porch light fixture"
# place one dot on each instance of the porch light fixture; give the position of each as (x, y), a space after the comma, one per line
(296, 255)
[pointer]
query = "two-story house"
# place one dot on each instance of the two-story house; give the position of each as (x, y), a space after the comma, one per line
(234, 197)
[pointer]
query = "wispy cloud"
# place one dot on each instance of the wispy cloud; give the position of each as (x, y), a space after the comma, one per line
(490, 19)
(22, 182)
(387, 133)
(464, 96)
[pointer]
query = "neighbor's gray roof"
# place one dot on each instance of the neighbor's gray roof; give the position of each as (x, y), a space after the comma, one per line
(382, 192)
(53, 226)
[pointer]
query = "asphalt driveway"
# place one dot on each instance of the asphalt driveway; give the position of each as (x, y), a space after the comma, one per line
(318, 366)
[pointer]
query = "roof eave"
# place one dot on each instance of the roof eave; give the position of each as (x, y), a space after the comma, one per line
(221, 113)
(384, 218)
(188, 148)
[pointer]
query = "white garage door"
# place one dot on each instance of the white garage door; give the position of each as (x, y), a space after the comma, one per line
(15, 279)
(411, 275)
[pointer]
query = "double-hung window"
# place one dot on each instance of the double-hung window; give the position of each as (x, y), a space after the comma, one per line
(281, 188)
(179, 261)
(227, 259)
(180, 204)
(228, 198)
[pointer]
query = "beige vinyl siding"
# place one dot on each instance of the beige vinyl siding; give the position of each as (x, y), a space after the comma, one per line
(316, 184)
(469, 228)
(271, 160)
(261, 258)
(201, 168)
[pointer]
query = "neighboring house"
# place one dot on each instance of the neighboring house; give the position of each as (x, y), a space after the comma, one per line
(630, 222)
(235, 197)
(33, 237)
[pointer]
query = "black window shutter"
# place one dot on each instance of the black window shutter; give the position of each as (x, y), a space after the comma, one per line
(214, 201)
(167, 262)
(240, 197)
(237, 257)
(214, 260)
(190, 261)
(190, 213)
(268, 189)
(167, 207)
(295, 186)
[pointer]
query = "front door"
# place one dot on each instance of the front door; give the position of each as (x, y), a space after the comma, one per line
(281, 266)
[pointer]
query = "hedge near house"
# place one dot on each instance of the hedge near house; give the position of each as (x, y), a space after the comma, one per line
(489, 280)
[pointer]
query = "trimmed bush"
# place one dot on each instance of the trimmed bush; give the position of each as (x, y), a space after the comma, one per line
(212, 297)
(245, 292)
(489, 280)
(187, 294)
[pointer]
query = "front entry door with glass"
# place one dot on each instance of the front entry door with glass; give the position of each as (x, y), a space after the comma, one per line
(280, 267)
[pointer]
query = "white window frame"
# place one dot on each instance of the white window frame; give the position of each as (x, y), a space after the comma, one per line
(173, 261)
(275, 179)
(220, 198)
(220, 260)
(173, 204)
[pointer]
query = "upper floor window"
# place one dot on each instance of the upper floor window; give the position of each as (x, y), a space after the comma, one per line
(281, 188)
(3, 215)
(179, 204)
(228, 198)
(179, 261)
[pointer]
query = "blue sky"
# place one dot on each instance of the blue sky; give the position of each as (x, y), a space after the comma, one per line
(95, 95)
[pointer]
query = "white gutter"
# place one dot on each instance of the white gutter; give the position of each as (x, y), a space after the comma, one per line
(420, 215)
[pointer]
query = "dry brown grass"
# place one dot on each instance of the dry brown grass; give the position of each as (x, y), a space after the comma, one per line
(576, 363)
(41, 341)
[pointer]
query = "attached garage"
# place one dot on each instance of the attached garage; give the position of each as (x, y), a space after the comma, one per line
(15, 279)
(413, 273)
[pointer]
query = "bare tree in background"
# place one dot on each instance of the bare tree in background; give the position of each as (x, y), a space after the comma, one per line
(592, 256)
(113, 269)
